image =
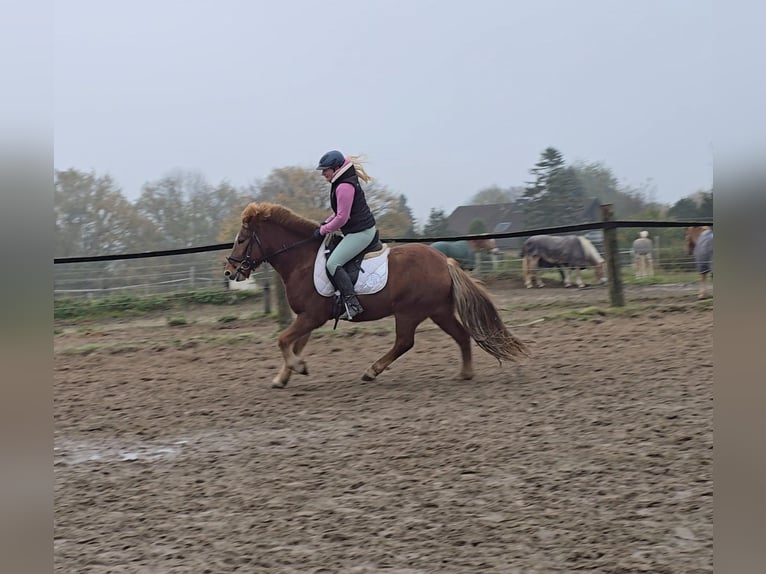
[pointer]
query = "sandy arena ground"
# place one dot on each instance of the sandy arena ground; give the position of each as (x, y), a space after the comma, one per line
(173, 455)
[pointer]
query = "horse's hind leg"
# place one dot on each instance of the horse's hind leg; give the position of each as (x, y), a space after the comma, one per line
(450, 325)
(405, 339)
(578, 275)
(567, 277)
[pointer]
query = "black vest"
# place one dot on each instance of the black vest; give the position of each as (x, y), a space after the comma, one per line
(361, 217)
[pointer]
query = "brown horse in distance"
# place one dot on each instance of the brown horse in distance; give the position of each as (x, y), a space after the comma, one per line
(422, 284)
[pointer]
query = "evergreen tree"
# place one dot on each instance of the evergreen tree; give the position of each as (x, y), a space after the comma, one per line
(406, 210)
(550, 162)
(437, 224)
(477, 227)
(685, 208)
(706, 205)
(556, 196)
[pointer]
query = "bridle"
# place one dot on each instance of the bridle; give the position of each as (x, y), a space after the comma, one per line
(248, 264)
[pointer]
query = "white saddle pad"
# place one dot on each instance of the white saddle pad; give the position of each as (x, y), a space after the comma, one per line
(372, 277)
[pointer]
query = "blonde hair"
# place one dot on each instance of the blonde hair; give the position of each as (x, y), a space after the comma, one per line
(358, 161)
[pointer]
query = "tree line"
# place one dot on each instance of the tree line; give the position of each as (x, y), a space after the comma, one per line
(183, 209)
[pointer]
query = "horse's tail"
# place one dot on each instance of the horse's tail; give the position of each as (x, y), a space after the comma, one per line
(481, 318)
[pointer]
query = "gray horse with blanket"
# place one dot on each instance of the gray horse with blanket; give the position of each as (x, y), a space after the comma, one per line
(570, 252)
(699, 241)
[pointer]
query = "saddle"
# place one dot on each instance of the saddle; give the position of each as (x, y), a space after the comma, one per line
(353, 266)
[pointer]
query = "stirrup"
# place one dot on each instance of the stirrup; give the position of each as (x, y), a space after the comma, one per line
(352, 310)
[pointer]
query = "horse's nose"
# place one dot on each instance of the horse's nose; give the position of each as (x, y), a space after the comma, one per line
(227, 273)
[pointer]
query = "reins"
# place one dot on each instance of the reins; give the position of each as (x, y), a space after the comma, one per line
(248, 264)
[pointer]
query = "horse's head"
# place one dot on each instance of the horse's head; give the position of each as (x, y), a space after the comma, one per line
(594, 258)
(488, 245)
(246, 254)
(268, 231)
(600, 271)
(690, 236)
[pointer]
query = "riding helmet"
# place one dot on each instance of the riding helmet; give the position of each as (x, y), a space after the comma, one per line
(332, 159)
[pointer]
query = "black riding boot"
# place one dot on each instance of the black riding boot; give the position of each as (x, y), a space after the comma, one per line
(348, 296)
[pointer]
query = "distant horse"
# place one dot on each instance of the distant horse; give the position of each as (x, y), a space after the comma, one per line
(413, 283)
(642, 255)
(570, 252)
(465, 251)
(699, 242)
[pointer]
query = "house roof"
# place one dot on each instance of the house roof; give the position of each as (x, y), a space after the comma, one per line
(502, 217)
(497, 217)
(460, 220)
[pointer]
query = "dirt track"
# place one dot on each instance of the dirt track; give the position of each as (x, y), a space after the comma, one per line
(173, 454)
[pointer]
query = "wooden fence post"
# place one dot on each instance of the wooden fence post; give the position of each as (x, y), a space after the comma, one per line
(612, 255)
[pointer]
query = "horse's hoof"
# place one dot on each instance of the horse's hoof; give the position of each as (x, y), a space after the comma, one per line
(301, 368)
(278, 385)
(465, 376)
(368, 377)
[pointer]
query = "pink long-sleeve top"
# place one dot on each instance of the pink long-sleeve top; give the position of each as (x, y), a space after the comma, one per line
(344, 196)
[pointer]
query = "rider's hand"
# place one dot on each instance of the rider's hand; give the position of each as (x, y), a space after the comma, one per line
(317, 234)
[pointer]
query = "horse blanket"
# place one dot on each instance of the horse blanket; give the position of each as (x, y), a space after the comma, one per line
(460, 251)
(566, 250)
(642, 246)
(703, 252)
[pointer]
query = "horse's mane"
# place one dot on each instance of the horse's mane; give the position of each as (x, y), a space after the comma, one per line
(260, 212)
(693, 233)
(590, 250)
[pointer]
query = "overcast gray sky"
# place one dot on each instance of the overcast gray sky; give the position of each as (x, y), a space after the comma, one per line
(444, 97)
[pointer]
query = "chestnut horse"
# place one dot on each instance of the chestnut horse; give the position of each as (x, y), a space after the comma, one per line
(422, 284)
(699, 242)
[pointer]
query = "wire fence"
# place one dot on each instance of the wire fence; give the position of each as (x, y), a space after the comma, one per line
(165, 275)
(187, 269)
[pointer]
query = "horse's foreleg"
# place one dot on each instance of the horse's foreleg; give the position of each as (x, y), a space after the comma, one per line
(578, 275)
(703, 286)
(405, 339)
(532, 276)
(291, 342)
(450, 325)
(567, 277)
